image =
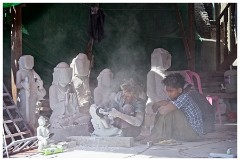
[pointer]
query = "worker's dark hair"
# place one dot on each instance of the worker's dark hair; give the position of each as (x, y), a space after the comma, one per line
(129, 86)
(175, 80)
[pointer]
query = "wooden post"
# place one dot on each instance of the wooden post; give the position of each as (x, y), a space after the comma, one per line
(191, 40)
(16, 45)
(218, 32)
(218, 51)
(225, 37)
(185, 42)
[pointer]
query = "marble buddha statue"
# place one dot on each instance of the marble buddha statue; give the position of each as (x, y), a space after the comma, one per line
(31, 89)
(80, 79)
(62, 98)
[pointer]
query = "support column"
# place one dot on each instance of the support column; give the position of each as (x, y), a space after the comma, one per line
(191, 40)
(16, 45)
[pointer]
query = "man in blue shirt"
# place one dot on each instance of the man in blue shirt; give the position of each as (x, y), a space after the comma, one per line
(180, 117)
(174, 84)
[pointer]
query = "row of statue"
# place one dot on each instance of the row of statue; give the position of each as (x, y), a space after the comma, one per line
(70, 93)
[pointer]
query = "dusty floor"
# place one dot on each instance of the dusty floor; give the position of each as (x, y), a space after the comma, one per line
(223, 138)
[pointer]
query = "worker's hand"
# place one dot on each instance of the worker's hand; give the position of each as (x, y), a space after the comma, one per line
(159, 104)
(114, 113)
(163, 110)
(166, 109)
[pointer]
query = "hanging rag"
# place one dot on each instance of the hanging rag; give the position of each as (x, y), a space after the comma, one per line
(96, 30)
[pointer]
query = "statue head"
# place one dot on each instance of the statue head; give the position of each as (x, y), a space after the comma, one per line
(62, 74)
(41, 121)
(105, 78)
(160, 59)
(80, 65)
(26, 62)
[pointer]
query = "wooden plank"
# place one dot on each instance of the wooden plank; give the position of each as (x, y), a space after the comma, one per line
(10, 121)
(16, 46)
(221, 14)
(5, 94)
(14, 123)
(11, 107)
(218, 51)
(18, 134)
(229, 60)
(191, 40)
(8, 132)
(182, 32)
(225, 38)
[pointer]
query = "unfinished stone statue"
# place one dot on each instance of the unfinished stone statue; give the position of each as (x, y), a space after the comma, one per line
(63, 100)
(31, 89)
(102, 95)
(42, 134)
(160, 62)
(104, 90)
(102, 124)
(80, 79)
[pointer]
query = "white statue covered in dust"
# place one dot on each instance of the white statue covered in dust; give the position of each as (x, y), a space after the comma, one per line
(103, 94)
(160, 62)
(63, 100)
(80, 80)
(43, 134)
(31, 89)
(104, 91)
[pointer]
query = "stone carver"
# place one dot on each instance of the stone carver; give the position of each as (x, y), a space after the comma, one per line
(128, 110)
(31, 89)
(80, 80)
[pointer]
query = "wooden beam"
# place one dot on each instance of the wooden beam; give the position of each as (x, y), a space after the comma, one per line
(221, 14)
(218, 51)
(229, 59)
(191, 40)
(225, 37)
(182, 32)
(16, 45)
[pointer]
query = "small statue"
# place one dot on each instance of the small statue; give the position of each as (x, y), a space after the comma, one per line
(80, 80)
(31, 89)
(43, 134)
(63, 100)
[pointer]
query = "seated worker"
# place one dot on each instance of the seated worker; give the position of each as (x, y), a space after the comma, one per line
(128, 111)
(180, 118)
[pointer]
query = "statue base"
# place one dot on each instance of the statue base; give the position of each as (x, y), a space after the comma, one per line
(61, 134)
(92, 141)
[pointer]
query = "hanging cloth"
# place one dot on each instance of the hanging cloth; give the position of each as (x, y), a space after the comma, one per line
(96, 30)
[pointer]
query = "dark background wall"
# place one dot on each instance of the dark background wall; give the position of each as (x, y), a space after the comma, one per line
(58, 32)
